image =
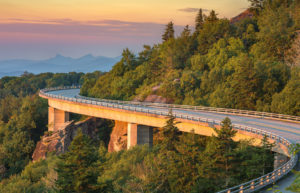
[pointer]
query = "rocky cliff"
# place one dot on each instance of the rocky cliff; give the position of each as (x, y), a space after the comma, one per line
(59, 141)
(118, 137)
(245, 14)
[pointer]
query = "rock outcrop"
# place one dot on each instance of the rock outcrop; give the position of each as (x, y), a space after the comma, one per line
(245, 14)
(157, 99)
(292, 56)
(59, 141)
(118, 137)
(153, 97)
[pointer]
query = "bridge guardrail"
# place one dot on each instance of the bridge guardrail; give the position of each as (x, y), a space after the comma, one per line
(190, 107)
(249, 186)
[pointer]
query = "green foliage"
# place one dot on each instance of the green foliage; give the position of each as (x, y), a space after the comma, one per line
(288, 100)
(23, 116)
(295, 186)
(226, 133)
(220, 64)
(36, 177)
(239, 65)
(211, 32)
(212, 17)
(199, 21)
(275, 28)
(170, 133)
(89, 80)
(75, 170)
(180, 163)
(16, 150)
(169, 31)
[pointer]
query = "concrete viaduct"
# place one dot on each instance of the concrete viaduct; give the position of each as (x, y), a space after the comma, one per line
(142, 117)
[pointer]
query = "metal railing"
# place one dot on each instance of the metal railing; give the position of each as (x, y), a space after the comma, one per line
(249, 186)
(189, 107)
(203, 108)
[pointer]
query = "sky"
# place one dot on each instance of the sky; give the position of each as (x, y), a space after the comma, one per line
(39, 29)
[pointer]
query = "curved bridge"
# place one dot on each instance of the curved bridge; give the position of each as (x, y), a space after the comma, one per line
(141, 117)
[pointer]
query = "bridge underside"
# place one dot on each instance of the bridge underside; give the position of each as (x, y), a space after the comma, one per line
(139, 129)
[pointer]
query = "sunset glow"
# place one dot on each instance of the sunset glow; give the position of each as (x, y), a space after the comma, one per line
(59, 25)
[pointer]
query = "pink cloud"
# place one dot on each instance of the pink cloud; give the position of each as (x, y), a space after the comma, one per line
(72, 35)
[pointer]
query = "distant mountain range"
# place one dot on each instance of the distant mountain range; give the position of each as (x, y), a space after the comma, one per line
(59, 63)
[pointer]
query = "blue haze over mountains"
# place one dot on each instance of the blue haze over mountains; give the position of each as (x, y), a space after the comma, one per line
(59, 63)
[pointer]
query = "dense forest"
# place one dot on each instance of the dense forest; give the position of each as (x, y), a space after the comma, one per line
(246, 65)
(243, 65)
(178, 162)
(23, 116)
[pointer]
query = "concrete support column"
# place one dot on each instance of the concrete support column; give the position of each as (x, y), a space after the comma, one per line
(139, 135)
(57, 118)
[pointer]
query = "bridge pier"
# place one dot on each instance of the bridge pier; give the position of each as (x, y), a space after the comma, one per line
(139, 135)
(57, 118)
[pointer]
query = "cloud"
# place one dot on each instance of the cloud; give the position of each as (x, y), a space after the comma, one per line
(65, 29)
(63, 21)
(67, 21)
(191, 10)
(44, 37)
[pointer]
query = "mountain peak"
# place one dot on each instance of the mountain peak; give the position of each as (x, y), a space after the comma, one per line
(59, 56)
(88, 56)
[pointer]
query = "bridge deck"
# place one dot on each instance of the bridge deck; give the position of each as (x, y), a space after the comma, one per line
(286, 129)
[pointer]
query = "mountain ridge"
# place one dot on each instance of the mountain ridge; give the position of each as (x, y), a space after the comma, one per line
(58, 63)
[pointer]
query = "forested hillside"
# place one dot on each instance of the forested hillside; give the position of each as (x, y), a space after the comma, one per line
(24, 116)
(176, 163)
(244, 65)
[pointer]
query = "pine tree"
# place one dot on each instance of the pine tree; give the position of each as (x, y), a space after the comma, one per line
(226, 133)
(169, 32)
(212, 17)
(170, 133)
(226, 157)
(266, 155)
(186, 31)
(199, 21)
(76, 169)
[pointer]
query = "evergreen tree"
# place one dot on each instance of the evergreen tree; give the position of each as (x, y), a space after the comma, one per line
(276, 29)
(199, 21)
(267, 157)
(127, 62)
(226, 133)
(186, 31)
(76, 171)
(244, 84)
(225, 151)
(212, 17)
(170, 134)
(169, 32)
